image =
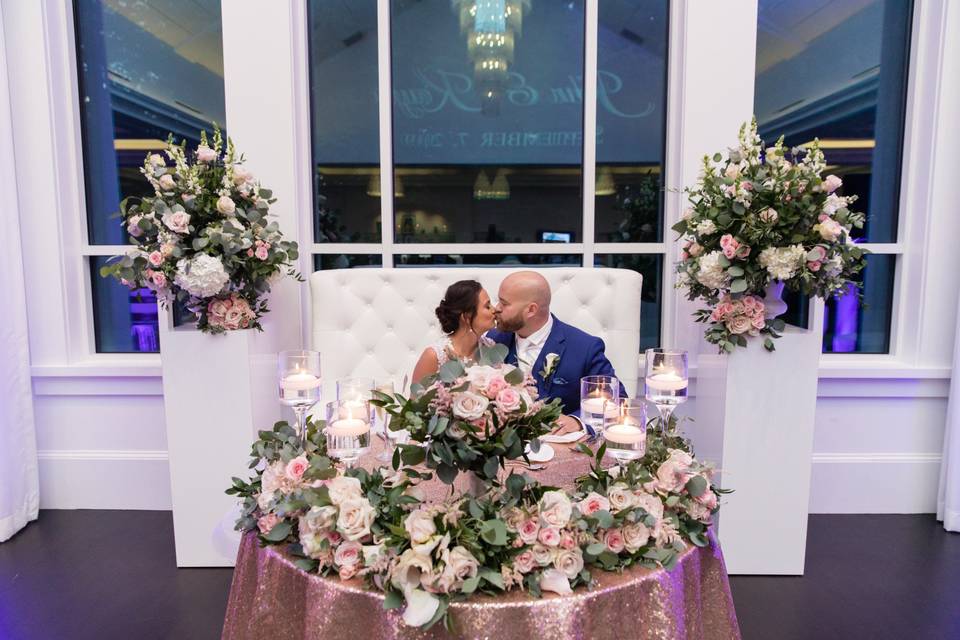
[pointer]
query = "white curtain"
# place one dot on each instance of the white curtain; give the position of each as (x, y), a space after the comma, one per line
(948, 500)
(19, 483)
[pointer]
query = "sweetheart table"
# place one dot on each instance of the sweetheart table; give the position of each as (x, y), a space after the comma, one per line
(272, 598)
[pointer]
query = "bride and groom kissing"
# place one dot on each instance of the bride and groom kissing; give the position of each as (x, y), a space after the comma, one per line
(556, 354)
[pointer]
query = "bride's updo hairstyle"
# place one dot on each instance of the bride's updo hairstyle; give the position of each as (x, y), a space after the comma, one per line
(461, 298)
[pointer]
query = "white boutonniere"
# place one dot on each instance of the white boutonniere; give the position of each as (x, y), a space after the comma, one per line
(550, 363)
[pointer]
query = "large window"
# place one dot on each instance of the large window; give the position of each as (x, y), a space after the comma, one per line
(145, 70)
(487, 115)
(838, 72)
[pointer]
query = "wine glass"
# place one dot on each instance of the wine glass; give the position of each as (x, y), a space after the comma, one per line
(666, 381)
(598, 401)
(626, 434)
(385, 387)
(298, 375)
(348, 430)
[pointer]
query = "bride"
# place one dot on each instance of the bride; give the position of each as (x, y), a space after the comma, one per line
(465, 314)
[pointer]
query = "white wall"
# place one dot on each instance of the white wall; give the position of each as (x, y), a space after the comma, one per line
(100, 422)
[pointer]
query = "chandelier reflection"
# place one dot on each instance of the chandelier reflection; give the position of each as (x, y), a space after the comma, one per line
(492, 28)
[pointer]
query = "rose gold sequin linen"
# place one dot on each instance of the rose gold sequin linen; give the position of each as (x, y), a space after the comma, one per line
(271, 598)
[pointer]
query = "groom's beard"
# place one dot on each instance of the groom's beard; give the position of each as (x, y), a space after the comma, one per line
(511, 325)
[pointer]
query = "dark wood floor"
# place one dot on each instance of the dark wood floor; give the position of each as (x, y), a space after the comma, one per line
(111, 574)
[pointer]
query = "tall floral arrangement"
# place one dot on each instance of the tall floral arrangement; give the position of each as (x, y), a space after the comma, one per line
(759, 217)
(204, 239)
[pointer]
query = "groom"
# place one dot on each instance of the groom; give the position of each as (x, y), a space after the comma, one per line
(555, 353)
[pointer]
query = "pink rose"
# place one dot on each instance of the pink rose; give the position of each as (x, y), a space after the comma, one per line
(831, 183)
(813, 266)
(758, 321)
(729, 245)
(347, 572)
(524, 563)
(549, 537)
(829, 229)
(695, 249)
(159, 279)
(567, 541)
(495, 386)
(262, 253)
(177, 221)
(155, 258)
(743, 251)
(739, 324)
(296, 467)
(218, 308)
(746, 186)
(508, 400)
(614, 540)
(348, 554)
(529, 529)
(592, 503)
(267, 522)
(206, 154)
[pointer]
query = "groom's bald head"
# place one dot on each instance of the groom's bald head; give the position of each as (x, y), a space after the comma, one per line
(524, 302)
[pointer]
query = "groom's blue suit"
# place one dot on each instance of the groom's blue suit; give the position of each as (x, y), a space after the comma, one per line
(580, 354)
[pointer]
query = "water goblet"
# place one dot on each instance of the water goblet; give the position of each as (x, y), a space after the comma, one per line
(348, 430)
(598, 401)
(298, 375)
(666, 381)
(626, 434)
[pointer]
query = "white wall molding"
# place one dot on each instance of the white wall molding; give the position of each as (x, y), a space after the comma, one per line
(874, 482)
(102, 455)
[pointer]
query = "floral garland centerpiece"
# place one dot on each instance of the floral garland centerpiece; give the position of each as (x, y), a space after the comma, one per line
(377, 526)
(204, 239)
(759, 220)
(470, 418)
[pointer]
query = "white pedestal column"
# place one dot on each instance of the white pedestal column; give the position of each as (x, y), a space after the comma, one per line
(218, 391)
(754, 420)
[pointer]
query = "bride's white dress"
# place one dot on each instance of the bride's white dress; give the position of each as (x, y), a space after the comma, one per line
(445, 352)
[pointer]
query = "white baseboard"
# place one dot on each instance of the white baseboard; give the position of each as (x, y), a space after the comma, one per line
(874, 482)
(104, 479)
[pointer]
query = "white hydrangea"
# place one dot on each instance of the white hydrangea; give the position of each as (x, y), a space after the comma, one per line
(782, 262)
(711, 273)
(202, 276)
(706, 227)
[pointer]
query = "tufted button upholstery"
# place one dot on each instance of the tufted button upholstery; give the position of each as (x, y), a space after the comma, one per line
(376, 322)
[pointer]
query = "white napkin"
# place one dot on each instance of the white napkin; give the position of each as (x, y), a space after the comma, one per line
(566, 438)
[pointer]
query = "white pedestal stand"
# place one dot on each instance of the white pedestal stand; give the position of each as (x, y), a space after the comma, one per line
(754, 420)
(217, 392)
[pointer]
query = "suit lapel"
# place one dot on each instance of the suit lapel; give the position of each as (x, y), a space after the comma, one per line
(554, 344)
(512, 349)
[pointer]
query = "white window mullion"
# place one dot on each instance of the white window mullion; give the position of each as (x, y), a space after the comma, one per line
(386, 132)
(590, 129)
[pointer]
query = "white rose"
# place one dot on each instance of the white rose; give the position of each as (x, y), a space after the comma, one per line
(469, 406)
(829, 229)
(543, 555)
(569, 562)
(635, 535)
(157, 160)
(312, 544)
(556, 581)
(167, 183)
(372, 554)
(620, 496)
(833, 203)
(555, 509)
(241, 176)
(355, 519)
(226, 206)
(420, 526)
(344, 488)
(319, 519)
(651, 504)
(461, 564)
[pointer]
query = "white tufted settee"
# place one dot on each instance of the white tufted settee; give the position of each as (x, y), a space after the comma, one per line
(376, 322)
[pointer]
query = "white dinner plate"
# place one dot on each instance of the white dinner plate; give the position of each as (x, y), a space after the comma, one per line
(545, 453)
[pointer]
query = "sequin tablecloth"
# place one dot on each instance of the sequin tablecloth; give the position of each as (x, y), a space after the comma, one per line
(271, 598)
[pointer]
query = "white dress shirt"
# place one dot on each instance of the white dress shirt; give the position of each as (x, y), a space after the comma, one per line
(529, 348)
